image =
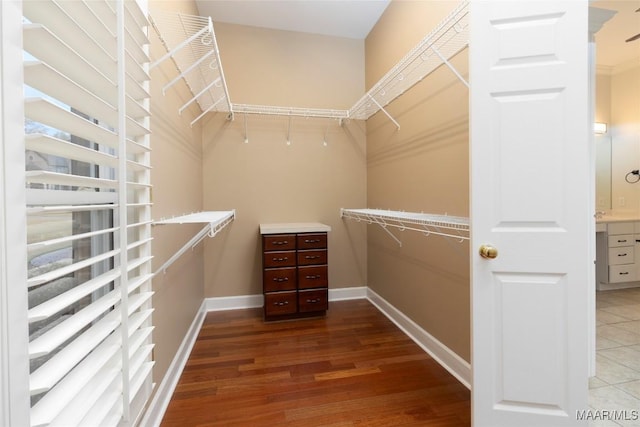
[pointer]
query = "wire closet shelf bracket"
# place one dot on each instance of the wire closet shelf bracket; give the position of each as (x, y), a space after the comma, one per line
(215, 221)
(429, 224)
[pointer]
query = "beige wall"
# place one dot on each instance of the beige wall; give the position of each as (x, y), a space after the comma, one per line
(268, 181)
(177, 189)
(423, 167)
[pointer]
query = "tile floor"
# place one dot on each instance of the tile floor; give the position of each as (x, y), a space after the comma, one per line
(616, 385)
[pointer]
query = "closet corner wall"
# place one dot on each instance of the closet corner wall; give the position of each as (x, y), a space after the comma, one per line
(177, 181)
(269, 181)
(422, 167)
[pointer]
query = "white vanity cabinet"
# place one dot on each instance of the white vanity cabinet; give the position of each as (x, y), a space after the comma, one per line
(618, 256)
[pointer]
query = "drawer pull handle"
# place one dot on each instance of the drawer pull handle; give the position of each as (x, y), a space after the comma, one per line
(317, 276)
(624, 273)
(622, 241)
(622, 254)
(280, 279)
(283, 242)
(281, 259)
(313, 301)
(312, 256)
(312, 240)
(281, 303)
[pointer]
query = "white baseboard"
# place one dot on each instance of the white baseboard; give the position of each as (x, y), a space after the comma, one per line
(457, 366)
(158, 405)
(343, 294)
(453, 363)
(233, 303)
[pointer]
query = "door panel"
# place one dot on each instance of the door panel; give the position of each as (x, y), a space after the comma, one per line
(529, 186)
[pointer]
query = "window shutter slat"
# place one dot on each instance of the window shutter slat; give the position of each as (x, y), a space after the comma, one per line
(46, 377)
(47, 80)
(39, 197)
(55, 274)
(55, 178)
(43, 77)
(48, 113)
(53, 338)
(48, 144)
(87, 71)
(58, 303)
(69, 208)
(72, 238)
(63, 362)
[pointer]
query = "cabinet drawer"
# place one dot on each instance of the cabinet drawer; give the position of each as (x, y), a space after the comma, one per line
(279, 279)
(621, 255)
(621, 240)
(315, 300)
(622, 273)
(280, 303)
(312, 277)
(279, 242)
(312, 241)
(312, 257)
(279, 259)
(621, 228)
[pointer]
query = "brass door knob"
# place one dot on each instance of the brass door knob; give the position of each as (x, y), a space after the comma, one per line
(488, 252)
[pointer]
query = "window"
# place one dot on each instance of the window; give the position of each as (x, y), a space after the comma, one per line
(88, 211)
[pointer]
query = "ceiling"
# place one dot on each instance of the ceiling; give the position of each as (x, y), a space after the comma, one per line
(611, 48)
(355, 18)
(342, 18)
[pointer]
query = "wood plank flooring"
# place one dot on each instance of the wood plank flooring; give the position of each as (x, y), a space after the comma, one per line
(351, 368)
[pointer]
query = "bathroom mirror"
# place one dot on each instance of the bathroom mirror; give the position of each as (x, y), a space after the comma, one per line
(603, 172)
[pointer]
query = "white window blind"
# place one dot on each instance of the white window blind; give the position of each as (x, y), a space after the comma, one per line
(88, 211)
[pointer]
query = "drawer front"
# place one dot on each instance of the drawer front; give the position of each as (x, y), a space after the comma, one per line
(280, 303)
(621, 255)
(312, 241)
(621, 228)
(279, 279)
(313, 277)
(279, 259)
(312, 257)
(621, 240)
(316, 300)
(622, 273)
(278, 242)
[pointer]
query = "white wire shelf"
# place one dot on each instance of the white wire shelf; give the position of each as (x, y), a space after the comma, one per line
(290, 111)
(191, 42)
(210, 89)
(215, 221)
(441, 225)
(434, 50)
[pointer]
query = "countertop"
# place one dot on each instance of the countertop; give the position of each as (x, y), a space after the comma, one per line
(618, 217)
(294, 227)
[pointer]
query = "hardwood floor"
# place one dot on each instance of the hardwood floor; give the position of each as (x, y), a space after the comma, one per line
(351, 368)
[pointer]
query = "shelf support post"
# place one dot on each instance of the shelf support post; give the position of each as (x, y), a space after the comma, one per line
(185, 72)
(178, 47)
(198, 95)
(451, 67)
(384, 111)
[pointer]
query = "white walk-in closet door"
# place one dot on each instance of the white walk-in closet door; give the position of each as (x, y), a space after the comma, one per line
(530, 172)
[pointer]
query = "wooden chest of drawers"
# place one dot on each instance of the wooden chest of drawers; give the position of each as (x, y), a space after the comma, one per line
(295, 271)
